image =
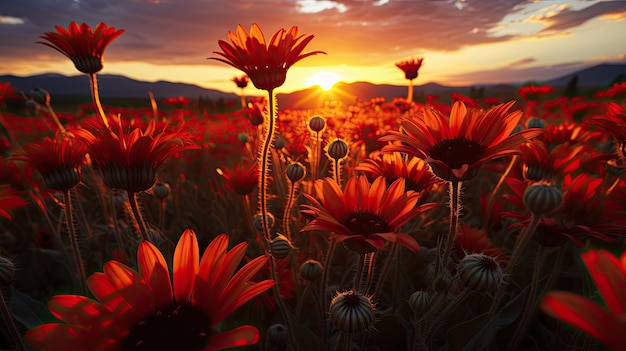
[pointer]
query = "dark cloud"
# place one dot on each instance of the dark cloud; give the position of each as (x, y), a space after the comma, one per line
(569, 18)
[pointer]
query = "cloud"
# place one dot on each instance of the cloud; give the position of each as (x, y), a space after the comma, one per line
(511, 74)
(353, 32)
(522, 62)
(568, 18)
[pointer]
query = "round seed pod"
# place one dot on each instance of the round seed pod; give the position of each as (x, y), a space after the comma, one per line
(258, 221)
(277, 335)
(40, 96)
(295, 172)
(337, 149)
(280, 247)
(541, 199)
(311, 270)
(161, 190)
(419, 302)
(536, 123)
(317, 124)
(480, 272)
(280, 143)
(352, 312)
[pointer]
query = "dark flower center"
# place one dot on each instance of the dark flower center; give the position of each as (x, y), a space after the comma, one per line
(175, 328)
(365, 223)
(456, 152)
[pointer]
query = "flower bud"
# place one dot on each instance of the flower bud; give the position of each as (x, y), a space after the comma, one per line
(317, 124)
(295, 172)
(277, 335)
(280, 247)
(161, 190)
(337, 149)
(311, 270)
(419, 302)
(480, 272)
(279, 143)
(40, 96)
(536, 123)
(542, 199)
(258, 224)
(352, 312)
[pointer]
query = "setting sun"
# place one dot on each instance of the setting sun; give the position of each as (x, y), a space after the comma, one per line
(324, 79)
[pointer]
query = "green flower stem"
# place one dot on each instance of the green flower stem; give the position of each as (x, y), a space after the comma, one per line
(443, 315)
(78, 260)
(95, 95)
(445, 250)
(386, 268)
(293, 187)
(10, 323)
(359, 272)
(118, 235)
(264, 172)
(494, 193)
(530, 308)
(520, 245)
(55, 118)
(324, 282)
(132, 199)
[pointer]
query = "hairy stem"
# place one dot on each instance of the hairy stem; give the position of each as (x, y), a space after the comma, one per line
(78, 260)
(10, 323)
(134, 206)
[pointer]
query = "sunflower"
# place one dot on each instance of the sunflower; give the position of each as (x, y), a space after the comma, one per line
(82, 45)
(364, 216)
(144, 310)
(266, 64)
(456, 148)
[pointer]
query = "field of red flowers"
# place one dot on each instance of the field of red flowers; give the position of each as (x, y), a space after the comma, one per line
(378, 225)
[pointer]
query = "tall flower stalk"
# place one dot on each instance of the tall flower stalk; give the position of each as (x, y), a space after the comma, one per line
(266, 64)
(86, 49)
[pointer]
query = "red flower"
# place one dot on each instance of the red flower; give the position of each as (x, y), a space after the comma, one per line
(534, 92)
(410, 67)
(364, 215)
(9, 200)
(541, 164)
(456, 148)
(266, 64)
(144, 310)
(242, 178)
(6, 92)
(415, 172)
(472, 240)
(58, 160)
(241, 81)
(606, 325)
(129, 159)
(84, 47)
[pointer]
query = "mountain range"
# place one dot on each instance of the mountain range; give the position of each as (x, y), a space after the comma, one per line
(595, 77)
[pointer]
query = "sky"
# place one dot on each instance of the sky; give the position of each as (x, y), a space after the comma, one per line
(463, 42)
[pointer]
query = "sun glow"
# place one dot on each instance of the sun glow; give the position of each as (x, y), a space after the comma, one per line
(324, 79)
